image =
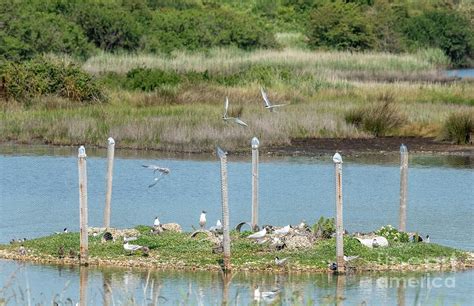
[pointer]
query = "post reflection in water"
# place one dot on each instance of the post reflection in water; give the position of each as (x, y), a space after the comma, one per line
(83, 280)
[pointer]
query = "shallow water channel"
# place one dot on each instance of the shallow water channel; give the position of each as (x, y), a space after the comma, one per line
(39, 196)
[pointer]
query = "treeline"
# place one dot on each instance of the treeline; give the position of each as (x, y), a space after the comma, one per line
(83, 27)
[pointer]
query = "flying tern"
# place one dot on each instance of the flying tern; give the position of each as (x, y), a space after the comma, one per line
(268, 104)
(234, 119)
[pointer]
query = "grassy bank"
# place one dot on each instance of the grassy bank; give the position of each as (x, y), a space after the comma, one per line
(180, 251)
(181, 108)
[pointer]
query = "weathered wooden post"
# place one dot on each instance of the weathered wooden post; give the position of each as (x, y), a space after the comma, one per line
(403, 187)
(337, 159)
(110, 168)
(83, 277)
(84, 246)
(255, 143)
(225, 209)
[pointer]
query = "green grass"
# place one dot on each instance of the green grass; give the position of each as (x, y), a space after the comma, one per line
(179, 249)
(185, 114)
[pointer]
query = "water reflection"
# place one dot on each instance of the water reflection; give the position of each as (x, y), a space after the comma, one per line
(105, 286)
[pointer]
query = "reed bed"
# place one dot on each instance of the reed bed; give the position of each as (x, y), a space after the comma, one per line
(225, 61)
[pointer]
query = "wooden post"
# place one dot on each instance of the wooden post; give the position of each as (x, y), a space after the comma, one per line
(83, 276)
(225, 208)
(84, 245)
(337, 159)
(255, 143)
(110, 168)
(403, 187)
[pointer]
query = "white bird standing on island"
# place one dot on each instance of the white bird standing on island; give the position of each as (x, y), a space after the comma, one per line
(131, 247)
(280, 262)
(234, 119)
(268, 104)
(282, 231)
(259, 234)
(202, 219)
(156, 223)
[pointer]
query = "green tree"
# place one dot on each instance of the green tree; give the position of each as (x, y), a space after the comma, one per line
(444, 29)
(342, 26)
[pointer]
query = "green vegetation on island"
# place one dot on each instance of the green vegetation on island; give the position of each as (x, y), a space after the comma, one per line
(180, 251)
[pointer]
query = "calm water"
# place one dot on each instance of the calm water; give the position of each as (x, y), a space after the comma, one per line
(48, 283)
(462, 73)
(39, 196)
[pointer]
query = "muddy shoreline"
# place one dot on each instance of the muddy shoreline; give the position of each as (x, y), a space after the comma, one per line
(355, 146)
(306, 147)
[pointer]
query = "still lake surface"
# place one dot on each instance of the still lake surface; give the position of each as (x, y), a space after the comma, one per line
(462, 73)
(39, 196)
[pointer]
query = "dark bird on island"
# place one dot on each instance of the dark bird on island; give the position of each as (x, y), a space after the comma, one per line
(268, 104)
(61, 252)
(72, 253)
(234, 119)
(202, 219)
(281, 262)
(333, 266)
(108, 236)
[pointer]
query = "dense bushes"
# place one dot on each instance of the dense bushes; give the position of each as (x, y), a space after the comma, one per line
(199, 29)
(109, 27)
(342, 26)
(150, 79)
(459, 128)
(43, 76)
(447, 30)
(379, 118)
(29, 28)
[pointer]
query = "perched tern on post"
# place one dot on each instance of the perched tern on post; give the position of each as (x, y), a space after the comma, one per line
(268, 104)
(234, 119)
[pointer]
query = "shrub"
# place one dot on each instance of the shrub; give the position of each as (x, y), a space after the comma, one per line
(445, 29)
(324, 228)
(147, 79)
(13, 49)
(341, 26)
(109, 26)
(47, 32)
(392, 234)
(378, 118)
(459, 128)
(198, 29)
(41, 76)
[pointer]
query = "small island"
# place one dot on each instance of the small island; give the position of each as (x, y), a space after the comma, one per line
(307, 249)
